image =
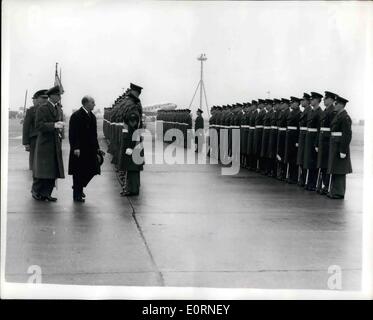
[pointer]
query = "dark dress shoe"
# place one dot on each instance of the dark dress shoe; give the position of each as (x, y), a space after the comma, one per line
(79, 199)
(37, 196)
(335, 197)
(51, 199)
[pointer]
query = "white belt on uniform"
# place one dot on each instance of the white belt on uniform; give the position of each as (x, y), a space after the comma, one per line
(267, 127)
(245, 126)
(324, 129)
(282, 129)
(251, 127)
(337, 134)
(235, 127)
(292, 128)
(312, 129)
(258, 127)
(303, 128)
(274, 127)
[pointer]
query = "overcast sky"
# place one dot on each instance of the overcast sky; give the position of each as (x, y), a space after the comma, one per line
(252, 47)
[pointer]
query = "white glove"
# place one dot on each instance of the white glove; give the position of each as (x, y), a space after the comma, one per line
(342, 155)
(129, 151)
(59, 125)
(77, 152)
(278, 158)
(317, 149)
(297, 144)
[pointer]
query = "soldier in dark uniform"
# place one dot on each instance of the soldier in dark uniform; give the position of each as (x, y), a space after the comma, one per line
(130, 162)
(243, 134)
(258, 134)
(199, 126)
(268, 108)
(339, 163)
(322, 143)
(291, 140)
(310, 154)
(281, 135)
(305, 103)
(29, 132)
(131, 103)
(272, 143)
(252, 162)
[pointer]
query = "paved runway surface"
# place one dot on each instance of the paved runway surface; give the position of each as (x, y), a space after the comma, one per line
(189, 227)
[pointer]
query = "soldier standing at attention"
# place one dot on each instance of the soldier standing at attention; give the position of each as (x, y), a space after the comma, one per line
(198, 127)
(305, 103)
(268, 108)
(272, 143)
(29, 132)
(310, 154)
(339, 163)
(322, 143)
(291, 140)
(281, 135)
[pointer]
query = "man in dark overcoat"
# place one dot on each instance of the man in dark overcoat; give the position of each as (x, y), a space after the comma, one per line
(48, 162)
(29, 132)
(339, 163)
(84, 147)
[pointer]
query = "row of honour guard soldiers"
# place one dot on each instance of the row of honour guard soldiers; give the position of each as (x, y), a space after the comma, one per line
(309, 148)
(120, 123)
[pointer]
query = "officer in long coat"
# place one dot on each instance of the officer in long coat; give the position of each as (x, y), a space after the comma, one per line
(339, 151)
(131, 103)
(29, 132)
(199, 126)
(291, 140)
(310, 154)
(305, 103)
(281, 135)
(48, 162)
(323, 141)
(84, 147)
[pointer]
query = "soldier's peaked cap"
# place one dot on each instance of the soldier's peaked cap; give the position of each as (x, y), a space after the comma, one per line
(306, 96)
(269, 101)
(276, 100)
(341, 100)
(254, 102)
(199, 110)
(316, 95)
(285, 100)
(329, 94)
(53, 90)
(295, 99)
(135, 87)
(261, 101)
(40, 93)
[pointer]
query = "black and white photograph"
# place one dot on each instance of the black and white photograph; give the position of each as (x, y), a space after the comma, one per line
(186, 149)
